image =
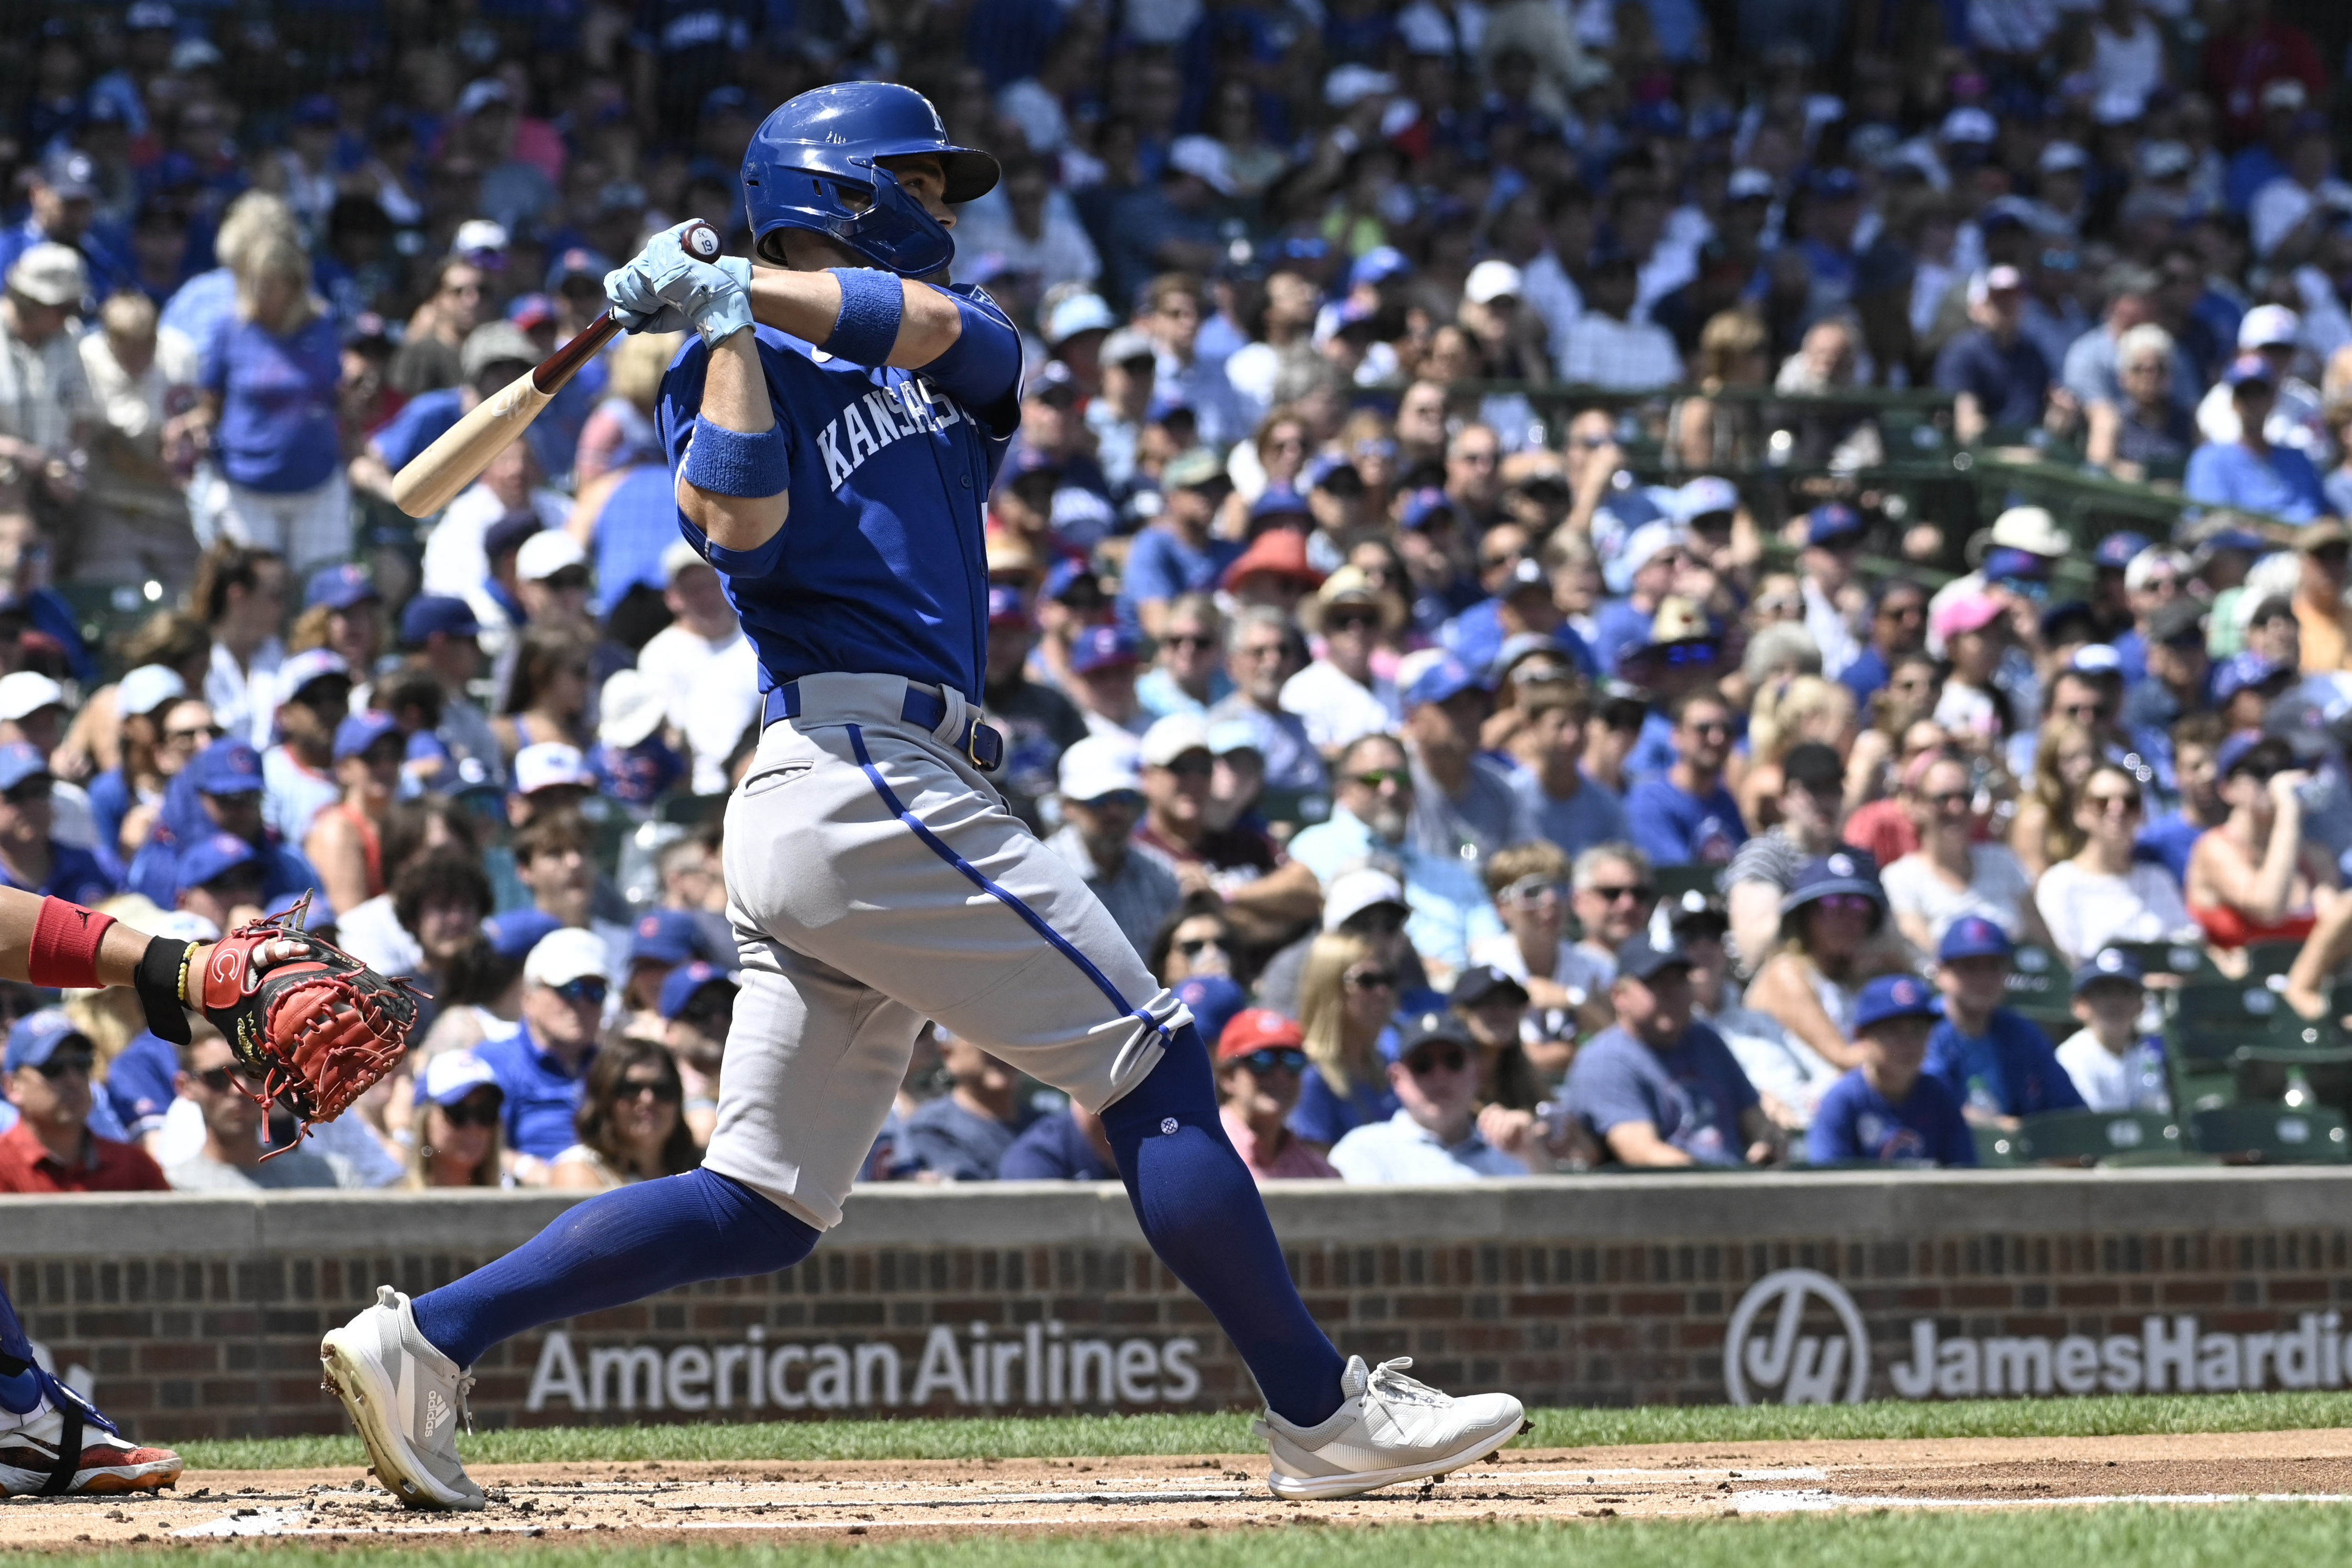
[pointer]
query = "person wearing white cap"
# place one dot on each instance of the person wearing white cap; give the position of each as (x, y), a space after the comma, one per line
(1102, 800)
(703, 644)
(1998, 378)
(2274, 333)
(541, 1066)
(454, 1141)
(1509, 334)
(47, 411)
(33, 710)
(1267, 893)
(141, 698)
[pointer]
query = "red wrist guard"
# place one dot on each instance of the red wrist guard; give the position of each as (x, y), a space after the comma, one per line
(65, 946)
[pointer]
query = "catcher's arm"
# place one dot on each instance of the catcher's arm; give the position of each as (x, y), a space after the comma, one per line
(49, 942)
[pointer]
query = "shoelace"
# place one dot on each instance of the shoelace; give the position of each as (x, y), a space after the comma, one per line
(1389, 1382)
(464, 1411)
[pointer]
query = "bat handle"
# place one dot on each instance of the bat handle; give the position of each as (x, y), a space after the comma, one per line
(561, 366)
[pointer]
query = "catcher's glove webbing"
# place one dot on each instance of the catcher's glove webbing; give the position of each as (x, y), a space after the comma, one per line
(315, 1033)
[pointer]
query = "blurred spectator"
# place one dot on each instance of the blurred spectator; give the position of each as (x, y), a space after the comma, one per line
(240, 596)
(1999, 380)
(143, 700)
(2257, 877)
(1810, 808)
(31, 858)
(1686, 816)
(1178, 554)
(493, 354)
(1038, 723)
(2114, 1066)
(454, 1133)
(1341, 696)
(1267, 895)
(2170, 840)
(1261, 1059)
(963, 1135)
(444, 639)
(547, 693)
(1493, 1007)
(1346, 999)
(136, 526)
(703, 644)
(1529, 884)
(1261, 655)
(698, 1012)
(346, 840)
(1951, 873)
(2250, 473)
(542, 1065)
(619, 434)
(1607, 346)
(631, 1122)
(1102, 801)
(1564, 806)
(1434, 1136)
(1996, 1063)
(1807, 981)
(1069, 1145)
(1463, 806)
(230, 1160)
(1887, 1111)
(1188, 673)
(1898, 630)
(1103, 660)
(50, 1146)
(314, 695)
(1660, 1088)
(2105, 894)
(1373, 816)
(47, 411)
(1196, 941)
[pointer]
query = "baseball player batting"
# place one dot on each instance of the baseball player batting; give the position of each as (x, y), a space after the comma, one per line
(835, 429)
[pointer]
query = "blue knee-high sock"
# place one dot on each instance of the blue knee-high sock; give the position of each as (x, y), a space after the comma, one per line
(19, 1389)
(1201, 1213)
(614, 1249)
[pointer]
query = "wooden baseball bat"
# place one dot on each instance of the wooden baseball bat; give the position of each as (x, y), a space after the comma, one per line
(432, 479)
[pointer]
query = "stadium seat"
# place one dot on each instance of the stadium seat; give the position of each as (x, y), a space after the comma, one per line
(2272, 1134)
(1673, 881)
(2187, 960)
(2101, 1137)
(2038, 989)
(1997, 1148)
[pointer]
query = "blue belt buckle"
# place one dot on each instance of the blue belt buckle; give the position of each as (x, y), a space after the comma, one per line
(985, 745)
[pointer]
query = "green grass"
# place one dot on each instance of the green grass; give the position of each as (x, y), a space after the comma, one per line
(2125, 1534)
(1017, 1437)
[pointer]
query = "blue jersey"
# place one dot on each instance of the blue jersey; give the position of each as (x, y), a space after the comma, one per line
(880, 567)
(2010, 1070)
(1855, 1121)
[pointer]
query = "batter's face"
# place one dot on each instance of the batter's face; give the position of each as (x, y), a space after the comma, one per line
(920, 174)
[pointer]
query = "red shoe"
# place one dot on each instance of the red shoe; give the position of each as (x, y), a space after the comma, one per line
(62, 1447)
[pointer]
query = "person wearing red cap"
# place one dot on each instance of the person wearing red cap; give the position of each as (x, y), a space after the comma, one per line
(1260, 1057)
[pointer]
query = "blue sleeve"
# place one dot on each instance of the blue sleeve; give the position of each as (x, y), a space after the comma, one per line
(139, 1083)
(2204, 481)
(981, 368)
(416, 427)
(212, 360)
(1605, 1091)
(1648, 816)
(1152, 570)
(1038, 1154)
(1943, 1064)
(1830, 1139)
(1958, 1140)
(1320, 1116)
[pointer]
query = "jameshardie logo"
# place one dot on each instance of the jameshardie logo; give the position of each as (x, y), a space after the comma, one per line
(1796, 1339)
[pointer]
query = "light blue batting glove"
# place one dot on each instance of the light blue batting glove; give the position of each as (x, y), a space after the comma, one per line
(664, 290)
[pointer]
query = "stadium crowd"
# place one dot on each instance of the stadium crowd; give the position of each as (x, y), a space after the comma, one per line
(1514, 771)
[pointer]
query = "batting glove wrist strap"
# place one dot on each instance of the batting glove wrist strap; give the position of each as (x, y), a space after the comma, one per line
(868, 327)
(158, 981)
(726, 462)
(723, 312)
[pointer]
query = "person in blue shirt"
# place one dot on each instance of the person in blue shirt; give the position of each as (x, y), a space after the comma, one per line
(220, 881)
(2196, 771)
(1998, 379)
(1066, 1146)
(270, 376)
(220, 789)
(30, 858)
(1888, 1109)
(1997, 1063)
(1898, 628)
(543, 1066)
(494, 354)
(2250, 473)
(1685, 816)
(1661, 1088)
(1643, 573)
(1176, 555)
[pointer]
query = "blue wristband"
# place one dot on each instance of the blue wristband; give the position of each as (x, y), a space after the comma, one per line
(868, 327)
(729, 462)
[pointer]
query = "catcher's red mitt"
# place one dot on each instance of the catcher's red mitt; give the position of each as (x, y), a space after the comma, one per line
(314, 1032)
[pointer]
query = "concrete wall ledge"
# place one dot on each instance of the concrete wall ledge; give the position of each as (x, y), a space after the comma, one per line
(1856, 1206)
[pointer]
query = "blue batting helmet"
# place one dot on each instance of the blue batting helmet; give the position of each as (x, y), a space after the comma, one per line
(816, 164)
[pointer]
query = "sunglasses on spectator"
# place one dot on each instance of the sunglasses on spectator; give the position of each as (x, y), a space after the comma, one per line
(1848, 904)
(1906, 610)
(30, 790)
(1192, 948)
(569, 577)
(1189, 640)
(1443, 1057)
(465, 1114)
(200, 734)
(1192, 765)
(1624, 720)
(2112, 800)
(1622, 892)
(664, 1091)
(1952, 800)
(1502, 558)
(1383, 920)
(1373, 980)
(1288, 1059)
(57, 1066)
(588, 988)
(1708, 725)
(1378, 777)
(1351, 621)
(2092, 710)
(715, 1016)
(1532, 890)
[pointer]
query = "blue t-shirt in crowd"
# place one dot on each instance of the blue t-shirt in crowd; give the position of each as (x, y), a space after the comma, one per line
(1619, 626)
(1053, 1149)
(638, 522)
(139, 1083)
(1693, 1094)
(1866, 675)
(1855, 1121)
(961, 1145)
(2166, 841)
(111, 800)
(540, 1098)
(1476, 636)
(2009, 384)
(1325, 1117)
(1674, 827)
(75, 876)
(2010, 1070)
(419, 423)
(2283, 484)
(1593, 815)
(278, 430)
(1163, 565)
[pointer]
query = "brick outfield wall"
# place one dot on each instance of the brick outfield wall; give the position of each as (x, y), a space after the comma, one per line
(1594, 1292)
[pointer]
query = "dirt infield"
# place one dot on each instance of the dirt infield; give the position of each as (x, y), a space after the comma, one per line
(958, 1498)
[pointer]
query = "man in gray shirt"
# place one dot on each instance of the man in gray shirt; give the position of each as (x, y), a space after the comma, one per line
(231, 1158)
(1463, 806)
(1102, 798)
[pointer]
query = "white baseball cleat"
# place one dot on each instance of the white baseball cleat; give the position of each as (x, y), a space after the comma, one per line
(62, 1447)
(406, 1399)
(1390, 1429)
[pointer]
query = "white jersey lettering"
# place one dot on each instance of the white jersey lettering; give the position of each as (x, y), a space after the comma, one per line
(883, 407)
(862, 444)
(837, 468)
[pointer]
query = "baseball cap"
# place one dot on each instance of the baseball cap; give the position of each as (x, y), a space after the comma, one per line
(29, 692)
(1831, 522)
(1103, 648)
(1750, 185)
(1191, 469)
(1966, 612)
(2114, 552)
(1643, 545)
(1212, 999)
(547, 552)
(480, 94)
(1377, 265)
(213, 855)
(36, 1037)
(1005, 606)
(565, 955)
(339, 587)
(147, 688)
(505, 535)
(227, 767)
(303, 668)
(2248, 370)
(428, 613)
(1642, 955)
(1125, 346)
(494, 343)
(1491, 280)
(513, 935)
(454, 1074)
(684, 982)
(1281, 552)
(664, 936)
(2251, 751)
(2268, 326)
(1895, 996)
(2107, 963)
(150, 16)
(361, 730)
(1424, 503)
(629, 709)
(1278, 500)
(1445, 678)
(1705, 496)
(2033, 530)
(2182, 621)
(1479, 983)
(1353, 892)
(1813, 764)
(1432, 1027)
(531, 311)
(2061, 157)
(549, 765)
(50, 274)
(1078, 313)
(1173, 736)
(483, 242)
(1206, 159)
(2002, 562)
(1257, 1029)
(1100, 765)
(20, 762)
(2243, 670)
(1840, 871)
(2092, 658)
(1973, 937)
(1227, 735)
